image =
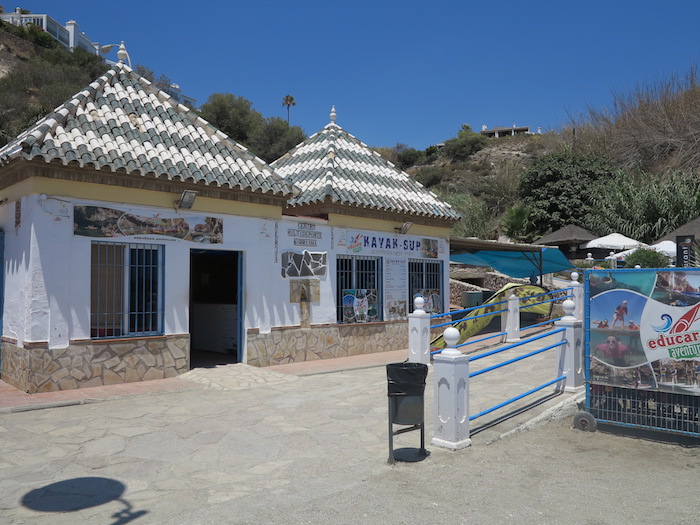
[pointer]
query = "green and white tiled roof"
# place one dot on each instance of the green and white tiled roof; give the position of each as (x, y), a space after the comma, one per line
(120, 123)
(333, 166)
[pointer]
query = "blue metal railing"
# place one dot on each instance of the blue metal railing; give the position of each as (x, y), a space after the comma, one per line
(548, 321)
(495, 312)
(471, 342)
(514, 345)
(514, 360)
(471, 308)
(548, 301)
(514, 399)
(467, 318)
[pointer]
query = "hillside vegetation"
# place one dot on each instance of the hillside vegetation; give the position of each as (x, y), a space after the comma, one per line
(632, 168)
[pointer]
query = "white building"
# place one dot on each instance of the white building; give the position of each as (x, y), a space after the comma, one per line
(113, 273)
(69, 36)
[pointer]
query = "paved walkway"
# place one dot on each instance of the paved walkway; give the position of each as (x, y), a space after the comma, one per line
(237, 444)
(230, 376)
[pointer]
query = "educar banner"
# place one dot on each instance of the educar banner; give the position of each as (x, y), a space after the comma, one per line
(644, 329)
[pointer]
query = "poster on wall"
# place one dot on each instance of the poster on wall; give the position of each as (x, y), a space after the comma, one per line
(96, 221)
(360, 305)
(433, 301)
(396, 287)
(644, 329)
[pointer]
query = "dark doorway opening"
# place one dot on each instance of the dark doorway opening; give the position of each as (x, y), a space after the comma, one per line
(215, 290)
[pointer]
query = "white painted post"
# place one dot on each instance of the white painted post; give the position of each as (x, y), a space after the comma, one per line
(577, 292)
(451, 371)
(510, 320)
(570, 355)
(419, 333)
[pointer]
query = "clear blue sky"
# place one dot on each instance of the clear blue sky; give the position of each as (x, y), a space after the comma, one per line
(410, 72)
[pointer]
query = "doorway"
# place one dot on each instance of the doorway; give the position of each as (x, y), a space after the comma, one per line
(215, 291)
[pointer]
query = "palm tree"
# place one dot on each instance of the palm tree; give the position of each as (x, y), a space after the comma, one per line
(288, 101)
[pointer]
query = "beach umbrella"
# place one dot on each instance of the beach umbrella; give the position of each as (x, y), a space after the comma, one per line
(668, 248)
(614, 241)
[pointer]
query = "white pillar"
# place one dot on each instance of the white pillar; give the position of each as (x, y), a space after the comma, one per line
(419, 333)
(510, 320)
(451, 371)
(570, 355)
(577, 292)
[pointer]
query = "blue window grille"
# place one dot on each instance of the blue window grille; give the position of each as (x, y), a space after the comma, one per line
(126, 290)
(358, 272)
(424, 274)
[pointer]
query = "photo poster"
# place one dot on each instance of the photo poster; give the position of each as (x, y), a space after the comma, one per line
(360, 305)
(433, 301)
(643, 329)
(97, 221)
(396, 288)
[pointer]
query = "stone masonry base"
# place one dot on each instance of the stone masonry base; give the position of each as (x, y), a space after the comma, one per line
(36, 368)
(294, 344)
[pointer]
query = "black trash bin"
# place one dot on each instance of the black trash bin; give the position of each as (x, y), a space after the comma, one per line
(406, 393)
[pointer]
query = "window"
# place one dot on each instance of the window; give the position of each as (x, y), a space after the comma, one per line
(359, 289)
(126, 290)
(425, 278)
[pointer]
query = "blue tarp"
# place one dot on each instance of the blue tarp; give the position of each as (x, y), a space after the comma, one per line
(517, 264)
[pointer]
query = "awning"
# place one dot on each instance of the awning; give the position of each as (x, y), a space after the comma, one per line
(515, 260)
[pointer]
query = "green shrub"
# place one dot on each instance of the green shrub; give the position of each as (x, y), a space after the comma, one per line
(646, 258)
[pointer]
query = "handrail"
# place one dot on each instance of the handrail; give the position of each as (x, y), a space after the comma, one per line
(545, 293)
(516, 398)
(482, 339)
(467, 318)
(547, 301)
(516, 359)
(485, 305)
(549, 321)
(519, 343)
(471, 342)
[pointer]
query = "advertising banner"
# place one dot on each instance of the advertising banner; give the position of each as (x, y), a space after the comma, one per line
(395, 287)
(685, 251)
(97, 221)
(360, 305)
(644, 329)
(375, 243)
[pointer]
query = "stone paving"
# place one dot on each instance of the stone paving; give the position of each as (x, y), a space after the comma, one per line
(244, 445)
(243, 439)
(236, 377)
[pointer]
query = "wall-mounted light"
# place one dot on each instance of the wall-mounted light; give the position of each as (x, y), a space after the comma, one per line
(404, 228)
(186, 200)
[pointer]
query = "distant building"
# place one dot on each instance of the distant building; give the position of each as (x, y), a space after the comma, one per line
(71, 38)
(68, 36)
(504, 132)
(174, 91)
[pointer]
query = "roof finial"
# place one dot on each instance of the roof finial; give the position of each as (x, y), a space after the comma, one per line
(122, 55)
(333, 114)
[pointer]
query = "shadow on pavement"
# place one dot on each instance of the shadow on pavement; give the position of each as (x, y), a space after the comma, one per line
(410, 455)
(75, 494)
(658, 436)
(514, 413)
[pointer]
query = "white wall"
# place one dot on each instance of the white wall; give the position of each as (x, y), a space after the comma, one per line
(47, 268)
